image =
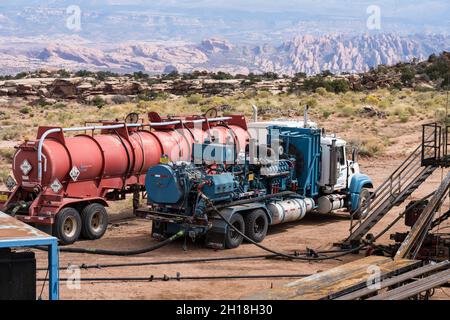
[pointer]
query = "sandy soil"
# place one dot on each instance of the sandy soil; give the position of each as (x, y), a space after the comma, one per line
(315, 231)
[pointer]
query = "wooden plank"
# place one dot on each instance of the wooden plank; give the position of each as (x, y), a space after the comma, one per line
(324, 284)
(395, 280)
(414, 288)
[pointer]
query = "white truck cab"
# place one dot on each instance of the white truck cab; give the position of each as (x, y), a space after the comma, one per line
(334, 153)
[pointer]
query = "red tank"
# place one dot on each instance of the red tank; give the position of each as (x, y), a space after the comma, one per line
(57, 172)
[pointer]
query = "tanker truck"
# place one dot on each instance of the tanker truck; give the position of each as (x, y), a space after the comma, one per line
(288, 169)
(62, 182)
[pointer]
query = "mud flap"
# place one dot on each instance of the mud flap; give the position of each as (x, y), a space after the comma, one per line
(215, 237)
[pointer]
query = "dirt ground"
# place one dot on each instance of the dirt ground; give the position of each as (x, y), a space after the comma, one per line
(314, 231)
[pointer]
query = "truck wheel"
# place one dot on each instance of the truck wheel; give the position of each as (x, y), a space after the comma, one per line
(256, 225)
(364, 196)
(67, 225)
(232, 238)
(95, 221)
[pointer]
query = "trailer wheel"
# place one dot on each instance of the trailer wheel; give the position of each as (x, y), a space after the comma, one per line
(67, 225)
(256, 225)
(364, 196)
(232, 238)
(95, 221)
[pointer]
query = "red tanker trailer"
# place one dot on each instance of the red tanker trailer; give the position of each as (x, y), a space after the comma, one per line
(62, 183)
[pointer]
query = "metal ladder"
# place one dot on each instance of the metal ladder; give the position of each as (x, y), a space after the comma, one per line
(412, 172)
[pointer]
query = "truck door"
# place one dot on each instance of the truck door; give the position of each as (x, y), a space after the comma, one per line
(341, 182)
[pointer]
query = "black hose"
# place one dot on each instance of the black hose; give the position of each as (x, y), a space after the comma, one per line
(183, 261)
(211, 205)
(179, 278)
(122, 252)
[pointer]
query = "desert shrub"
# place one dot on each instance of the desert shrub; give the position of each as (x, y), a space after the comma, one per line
(404, 117)
(11, 134)
(59, 105)
(339, 86)
(411, 110)
(369, 147)
(439, 68)
(384, 104)
(441, 116)
(7, 154)
(326, 113)
(398, 111)
(99, 102)
(372, 100)
(340, 105)
(321, 91)
(4, 115)
(312, 102)
(25, 110)
(347, 111)
(194, 98)
(407, 75)
(4, 173)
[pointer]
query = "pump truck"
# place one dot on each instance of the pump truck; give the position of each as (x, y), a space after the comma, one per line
(299, 170)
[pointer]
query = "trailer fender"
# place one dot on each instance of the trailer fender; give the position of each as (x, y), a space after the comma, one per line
(245, 208)
(357, 182)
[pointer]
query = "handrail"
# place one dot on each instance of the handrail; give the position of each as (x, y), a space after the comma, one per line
(109, 127)
(396, 174)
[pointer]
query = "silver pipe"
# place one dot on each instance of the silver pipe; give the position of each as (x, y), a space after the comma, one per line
(305, 117)
(255, 113)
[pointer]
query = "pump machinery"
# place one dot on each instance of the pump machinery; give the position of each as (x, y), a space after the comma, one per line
(189, 169)
(287, 170)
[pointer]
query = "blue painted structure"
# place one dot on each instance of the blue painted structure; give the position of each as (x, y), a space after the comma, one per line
(15, 234)
(358, 182)
(304, 142)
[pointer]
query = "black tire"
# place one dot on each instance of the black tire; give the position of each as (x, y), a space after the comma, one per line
(95, 221)
(232, 238)
(67, 226)
(256, 225)
(364, 196)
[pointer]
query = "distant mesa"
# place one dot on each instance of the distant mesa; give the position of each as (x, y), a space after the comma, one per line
(215, 45)
(302, 54)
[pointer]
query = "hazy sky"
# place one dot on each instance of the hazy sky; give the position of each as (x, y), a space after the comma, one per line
(272, 19)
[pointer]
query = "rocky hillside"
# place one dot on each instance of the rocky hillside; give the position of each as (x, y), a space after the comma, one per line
(306, 54)
(47, 87)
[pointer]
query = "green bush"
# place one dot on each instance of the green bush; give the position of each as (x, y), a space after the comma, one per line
(321, 91)
(347, 111)
(99, 102)
(404, 117)
(326, 114)
(194, 98)
(59, 105)
(7, 154)
(25, 110)
(370, 148)
(311, 102)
